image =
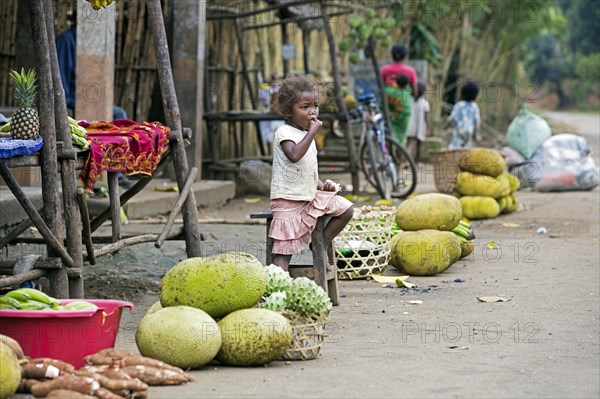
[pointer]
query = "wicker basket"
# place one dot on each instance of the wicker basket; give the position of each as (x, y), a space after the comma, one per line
(309, 333)
(446, 168)
(363, 247)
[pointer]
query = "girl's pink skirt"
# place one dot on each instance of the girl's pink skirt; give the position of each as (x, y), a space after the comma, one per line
(294, 221)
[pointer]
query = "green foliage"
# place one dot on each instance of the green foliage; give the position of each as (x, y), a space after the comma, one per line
(424, 45)
(547, 60)
(366, 29)
(588, 67)
(584, 29)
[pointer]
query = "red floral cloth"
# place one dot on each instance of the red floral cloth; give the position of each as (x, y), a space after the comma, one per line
(123, 146)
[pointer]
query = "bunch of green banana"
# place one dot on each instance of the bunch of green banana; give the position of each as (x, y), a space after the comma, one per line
(28, 299)
(78, 134)
(463, 231)
(98, 4)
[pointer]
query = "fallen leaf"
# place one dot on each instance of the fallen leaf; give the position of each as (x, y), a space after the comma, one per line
(511, 225)
(415, 302)
(401, 283)
(387, 279)
(254, 200)
(491, 244)
(492, 299)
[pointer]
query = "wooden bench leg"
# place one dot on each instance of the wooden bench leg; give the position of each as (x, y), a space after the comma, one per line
(269, 248)
(323, 265)
(332, 282)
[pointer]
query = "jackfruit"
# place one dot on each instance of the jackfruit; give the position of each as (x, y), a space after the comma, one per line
(181, 336)
(513, 181)
(218, 284)
(253, 337)
(429, 211)
(479, 207)
(10, 371)
(420, 253)
(471, 184)
(482, 161)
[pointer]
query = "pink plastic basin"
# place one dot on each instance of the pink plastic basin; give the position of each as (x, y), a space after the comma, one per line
(67, 335)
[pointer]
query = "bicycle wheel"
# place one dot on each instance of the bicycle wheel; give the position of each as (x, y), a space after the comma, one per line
(375, 167)
(406, 170)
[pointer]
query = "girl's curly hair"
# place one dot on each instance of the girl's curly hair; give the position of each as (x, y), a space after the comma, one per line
(290, 91)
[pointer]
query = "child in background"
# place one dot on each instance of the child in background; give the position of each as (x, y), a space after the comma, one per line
(419, 126)
(466, 118)
(400, 100)
(298, 197)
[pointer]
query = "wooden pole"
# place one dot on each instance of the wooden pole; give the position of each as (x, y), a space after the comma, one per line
(182, 196)
(59, 284)
(337, 81)
(173, 119)
(306, 49)
(240, 41)
(19, 278)
(67, 170)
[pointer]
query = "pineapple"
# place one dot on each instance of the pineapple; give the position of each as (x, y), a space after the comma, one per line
(25, 123)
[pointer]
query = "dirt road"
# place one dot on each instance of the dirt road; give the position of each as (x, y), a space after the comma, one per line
(544, 342)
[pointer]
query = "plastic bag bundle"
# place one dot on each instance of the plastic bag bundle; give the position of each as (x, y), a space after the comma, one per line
(527, 132)
(561, 163)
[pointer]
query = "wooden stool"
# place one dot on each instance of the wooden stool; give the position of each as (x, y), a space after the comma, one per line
(323, 269)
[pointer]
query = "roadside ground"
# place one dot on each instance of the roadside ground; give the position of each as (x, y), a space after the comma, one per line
(543, 342)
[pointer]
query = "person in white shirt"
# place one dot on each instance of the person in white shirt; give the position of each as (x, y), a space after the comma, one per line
(419, 126)
(298, 196)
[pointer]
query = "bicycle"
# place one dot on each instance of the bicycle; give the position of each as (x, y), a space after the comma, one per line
(387, 166)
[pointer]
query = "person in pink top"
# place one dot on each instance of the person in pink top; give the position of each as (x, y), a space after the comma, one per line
(390, 72)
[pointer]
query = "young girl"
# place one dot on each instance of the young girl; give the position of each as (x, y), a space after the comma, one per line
(298, 197)
(419, 126)
(465, 116)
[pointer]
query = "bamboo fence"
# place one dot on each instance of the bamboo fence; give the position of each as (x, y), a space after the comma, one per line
(135, 61)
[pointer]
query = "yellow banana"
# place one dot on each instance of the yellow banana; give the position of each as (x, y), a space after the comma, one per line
(5, 128)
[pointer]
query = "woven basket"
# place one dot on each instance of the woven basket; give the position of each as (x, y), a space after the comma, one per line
(309, 333)
(446, 168)
(363, 247)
